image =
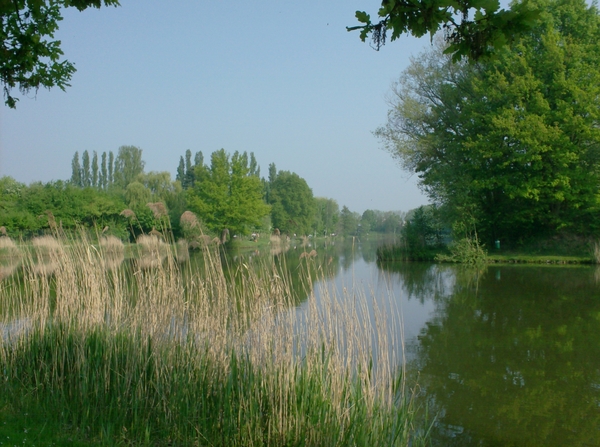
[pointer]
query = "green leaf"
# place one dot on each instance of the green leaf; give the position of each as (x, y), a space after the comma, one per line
(363, 17)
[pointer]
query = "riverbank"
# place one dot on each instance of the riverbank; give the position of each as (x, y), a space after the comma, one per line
(523, 258)
(396, 254)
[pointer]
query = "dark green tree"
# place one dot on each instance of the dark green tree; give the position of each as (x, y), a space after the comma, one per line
(267, 183)
(30, 56)
(76, 171)
(292, 203)
(180, 177)
(103, 172)
(272, 172)
(198, 158)
(254, 168)
(86, 176)
(95, 170)
(422, 229)
(111, 168)
(189, 170)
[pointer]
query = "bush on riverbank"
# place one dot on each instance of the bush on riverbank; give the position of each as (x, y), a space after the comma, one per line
(158, 354)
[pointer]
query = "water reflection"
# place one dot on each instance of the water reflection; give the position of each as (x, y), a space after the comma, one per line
(513, 359)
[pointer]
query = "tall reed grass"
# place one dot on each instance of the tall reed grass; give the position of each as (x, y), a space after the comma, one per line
(160, 353)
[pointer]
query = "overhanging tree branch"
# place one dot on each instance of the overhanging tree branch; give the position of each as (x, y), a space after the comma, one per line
(30, 58)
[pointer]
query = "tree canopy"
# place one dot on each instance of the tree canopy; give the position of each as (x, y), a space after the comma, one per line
(226, 194)
(510, 144)
(292, 202)
(472, 28)
(128, 165)
(30, 57)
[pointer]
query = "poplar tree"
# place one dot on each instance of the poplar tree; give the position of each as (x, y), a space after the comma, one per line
(103, 172)
(180, 177)
(95, 170)
(198, 159)
(111, 168)
(76, 170)
(189, 169)
(254, 168)
(86, 175)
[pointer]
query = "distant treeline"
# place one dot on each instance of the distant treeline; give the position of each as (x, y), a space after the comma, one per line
(114, 195)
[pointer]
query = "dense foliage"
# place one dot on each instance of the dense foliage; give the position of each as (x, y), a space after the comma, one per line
(27, 210)
(509, 146)
(292, 202)
(113, 195)
(227, 195)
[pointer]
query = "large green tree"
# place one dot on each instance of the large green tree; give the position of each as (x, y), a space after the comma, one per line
(30, 57)
(128, 165)
(472, 28)
(292, 202)
(511, 145)
(226, 196)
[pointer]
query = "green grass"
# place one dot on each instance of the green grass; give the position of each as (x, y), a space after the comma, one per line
(524, 258)
(23, 427)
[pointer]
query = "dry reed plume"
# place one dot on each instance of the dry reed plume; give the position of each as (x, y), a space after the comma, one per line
(8, 244)
(333, 350)
(10, 257)
(158, 209)
(189, 219)
(113, 251)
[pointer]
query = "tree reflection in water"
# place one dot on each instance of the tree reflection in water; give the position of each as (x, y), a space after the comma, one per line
(513, 359)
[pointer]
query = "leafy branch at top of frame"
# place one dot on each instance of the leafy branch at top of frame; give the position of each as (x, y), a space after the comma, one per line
(472, 28)
(29, 54)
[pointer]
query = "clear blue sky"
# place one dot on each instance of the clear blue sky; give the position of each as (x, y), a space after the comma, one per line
(282, 79)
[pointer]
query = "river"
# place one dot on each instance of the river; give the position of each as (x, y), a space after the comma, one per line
(506, 356)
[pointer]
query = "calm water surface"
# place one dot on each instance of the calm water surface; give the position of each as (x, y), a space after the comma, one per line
(509, 356)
